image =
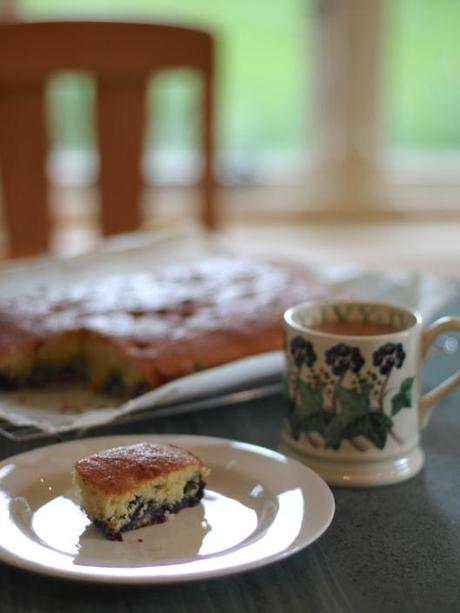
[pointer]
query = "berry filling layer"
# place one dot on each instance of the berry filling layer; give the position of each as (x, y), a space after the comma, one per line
(142, 512)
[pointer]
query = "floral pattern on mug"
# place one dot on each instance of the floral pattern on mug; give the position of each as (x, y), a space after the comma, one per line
(344, 399)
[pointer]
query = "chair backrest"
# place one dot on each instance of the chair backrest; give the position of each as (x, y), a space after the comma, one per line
(122, 57)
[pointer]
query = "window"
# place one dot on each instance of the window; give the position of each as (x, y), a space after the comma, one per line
(354, 104)
(261, 90)
(421, 102)
(421, 75)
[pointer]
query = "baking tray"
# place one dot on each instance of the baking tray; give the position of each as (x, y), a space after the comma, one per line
(230, 384)
(29, 433)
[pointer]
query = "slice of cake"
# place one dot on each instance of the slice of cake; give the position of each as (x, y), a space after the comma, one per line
(125, 488)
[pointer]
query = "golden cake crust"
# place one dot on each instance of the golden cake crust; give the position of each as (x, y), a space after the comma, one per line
(145, 329)
(123, 469)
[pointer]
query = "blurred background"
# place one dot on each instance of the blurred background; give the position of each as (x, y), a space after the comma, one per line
(330, 113)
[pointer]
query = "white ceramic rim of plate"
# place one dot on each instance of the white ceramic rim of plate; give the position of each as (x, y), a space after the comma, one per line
(314, 491)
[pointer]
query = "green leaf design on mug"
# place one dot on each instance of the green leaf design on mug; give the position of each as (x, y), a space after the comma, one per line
(354, 406)
(357, 419)
(309, 401)
(403, 399)
(373, 426)
(319, 422)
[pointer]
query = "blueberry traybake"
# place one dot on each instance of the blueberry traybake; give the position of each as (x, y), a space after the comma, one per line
(127, 334)
(128, 487)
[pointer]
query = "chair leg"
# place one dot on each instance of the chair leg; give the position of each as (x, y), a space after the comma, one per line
(23, 150)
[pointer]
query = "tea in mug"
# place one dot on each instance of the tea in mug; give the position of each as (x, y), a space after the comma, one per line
(354, 328)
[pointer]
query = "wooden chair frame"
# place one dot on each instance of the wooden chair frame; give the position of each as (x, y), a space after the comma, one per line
(122, 57)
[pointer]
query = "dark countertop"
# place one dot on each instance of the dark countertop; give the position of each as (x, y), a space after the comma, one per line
(389, 549)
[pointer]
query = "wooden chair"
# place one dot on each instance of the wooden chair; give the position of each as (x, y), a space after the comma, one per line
(122, 57)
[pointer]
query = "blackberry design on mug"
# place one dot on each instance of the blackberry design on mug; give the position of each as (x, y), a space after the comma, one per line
(344, 399)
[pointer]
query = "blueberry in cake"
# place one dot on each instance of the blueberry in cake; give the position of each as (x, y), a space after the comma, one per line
(127, 334)
(128, 487)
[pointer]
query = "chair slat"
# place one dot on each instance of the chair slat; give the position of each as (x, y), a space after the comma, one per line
(208, 211)
(121, 123)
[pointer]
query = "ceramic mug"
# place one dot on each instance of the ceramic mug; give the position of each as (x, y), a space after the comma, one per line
(353, 385)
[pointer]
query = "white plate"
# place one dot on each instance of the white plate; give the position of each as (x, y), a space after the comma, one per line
(259, 507)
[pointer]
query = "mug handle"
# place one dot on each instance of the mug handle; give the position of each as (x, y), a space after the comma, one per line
(428, 335)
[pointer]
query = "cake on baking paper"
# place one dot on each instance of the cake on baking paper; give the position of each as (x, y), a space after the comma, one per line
(128, 334)
(128, 487)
